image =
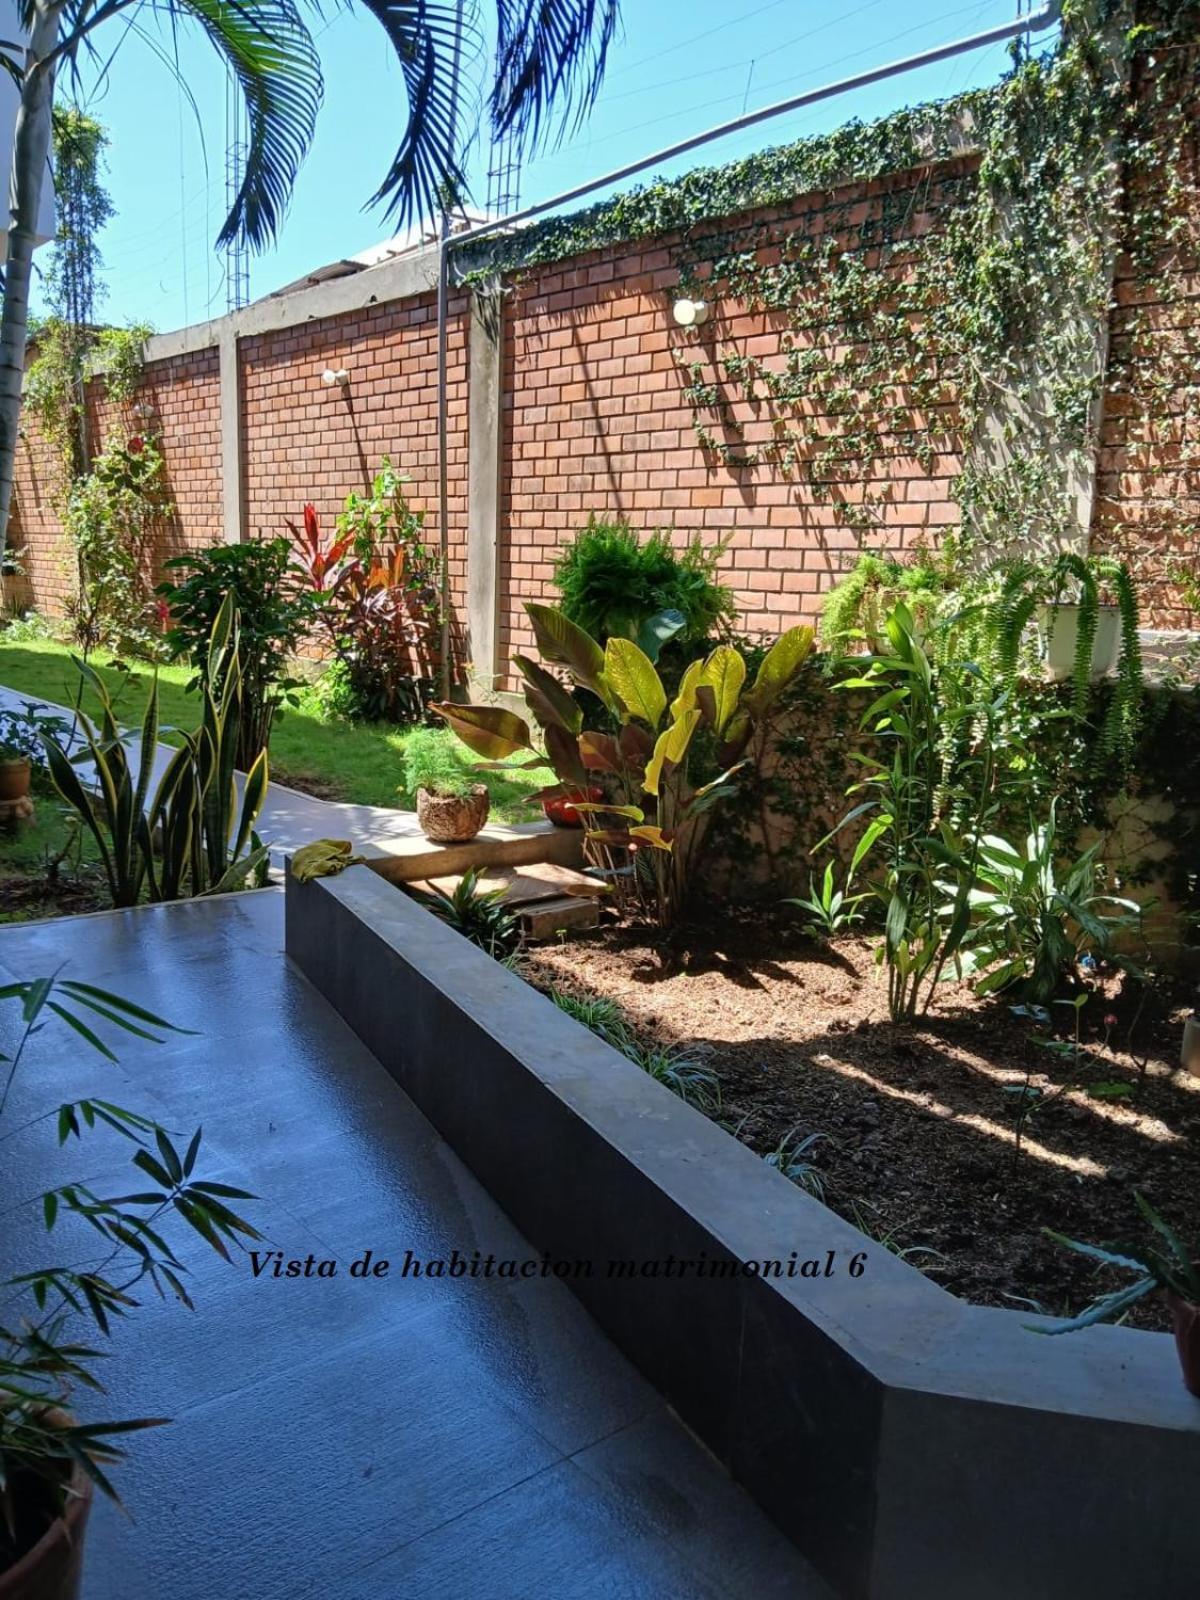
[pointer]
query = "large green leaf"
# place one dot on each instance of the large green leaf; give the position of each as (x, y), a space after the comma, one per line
(780, 667)
(635, 682)
(559, 640)
(670, 749)
(490, 731)
(547, 697)
(719, 686)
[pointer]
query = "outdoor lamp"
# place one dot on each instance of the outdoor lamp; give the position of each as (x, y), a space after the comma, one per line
(338, 379)
(690, 313)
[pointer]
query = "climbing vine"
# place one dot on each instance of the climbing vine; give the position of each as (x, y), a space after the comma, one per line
(113, 492)
(928, 293)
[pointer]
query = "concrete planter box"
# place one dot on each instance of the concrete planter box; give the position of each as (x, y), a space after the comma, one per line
(911, 1445)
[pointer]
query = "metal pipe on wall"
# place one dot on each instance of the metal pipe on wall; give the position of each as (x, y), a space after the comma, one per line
(1035, 22)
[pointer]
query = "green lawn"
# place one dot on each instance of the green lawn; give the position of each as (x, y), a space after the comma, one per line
(359, 762)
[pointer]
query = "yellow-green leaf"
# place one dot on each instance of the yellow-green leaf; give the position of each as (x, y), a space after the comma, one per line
(651, 835)
(637, 685)
(490, 731)
(670, 749)
(685, 700)
(561, 640)
(780, 667)
(724, 673)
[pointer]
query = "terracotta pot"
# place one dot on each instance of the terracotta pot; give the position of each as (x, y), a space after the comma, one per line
(452, 818)
(14, 779)
(53, 1569)
(1060, 629)
(562, 813)
(1186, 1318)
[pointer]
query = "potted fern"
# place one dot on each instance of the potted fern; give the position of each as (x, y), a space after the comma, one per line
(1164, 1266)
(452, 805)
(1084, 634)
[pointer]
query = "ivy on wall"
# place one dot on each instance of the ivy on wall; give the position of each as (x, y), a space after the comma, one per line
(959, 315)
(112, 493)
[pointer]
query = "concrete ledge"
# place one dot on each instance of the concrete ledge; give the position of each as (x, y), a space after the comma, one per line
(913, 1447)
(406, 857)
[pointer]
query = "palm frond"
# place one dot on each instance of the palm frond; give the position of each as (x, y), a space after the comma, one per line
(271, 53)
(550, 54)
(433, 40)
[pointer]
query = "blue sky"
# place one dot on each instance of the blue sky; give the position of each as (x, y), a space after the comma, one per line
(679, 66)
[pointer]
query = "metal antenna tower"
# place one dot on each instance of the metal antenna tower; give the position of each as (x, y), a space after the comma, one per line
(504, 177)
(237, 257)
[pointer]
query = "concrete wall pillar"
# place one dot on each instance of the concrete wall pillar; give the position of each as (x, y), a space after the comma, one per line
(232, 499)
(485, 413)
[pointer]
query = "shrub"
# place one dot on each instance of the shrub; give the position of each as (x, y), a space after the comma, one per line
(274, 614)
(375, 587)
(658, 804)
(612, 584)
(432, 762)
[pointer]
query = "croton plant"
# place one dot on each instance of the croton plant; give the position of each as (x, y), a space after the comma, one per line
(655, 803)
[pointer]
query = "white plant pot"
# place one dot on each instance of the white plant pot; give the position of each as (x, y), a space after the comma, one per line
(1059, 626)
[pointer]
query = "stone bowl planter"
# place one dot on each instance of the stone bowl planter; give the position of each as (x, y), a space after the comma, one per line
(53, 1568)
(452, 818)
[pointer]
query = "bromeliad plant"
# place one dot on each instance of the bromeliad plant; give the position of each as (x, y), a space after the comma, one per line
(188, 834)
(42, 1356)
(657, 802)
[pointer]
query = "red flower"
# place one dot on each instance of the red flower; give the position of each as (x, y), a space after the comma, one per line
(1111, 1020)
(136, 445)
(163, 612)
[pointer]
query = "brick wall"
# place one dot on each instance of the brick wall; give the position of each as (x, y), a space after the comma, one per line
(1147, 504)
(596, 419)
(303, 441)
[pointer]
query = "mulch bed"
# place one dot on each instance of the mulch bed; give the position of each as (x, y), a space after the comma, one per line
(26, 897)
(917, 1141)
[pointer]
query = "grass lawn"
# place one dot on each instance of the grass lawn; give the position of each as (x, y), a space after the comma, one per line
(358, 762)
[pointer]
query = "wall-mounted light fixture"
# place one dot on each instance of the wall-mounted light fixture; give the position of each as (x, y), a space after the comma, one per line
(332, 379)
(143, 411)
(690, 313)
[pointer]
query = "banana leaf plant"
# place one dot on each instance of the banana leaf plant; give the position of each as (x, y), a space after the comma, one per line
(654, 805)
(188, 834)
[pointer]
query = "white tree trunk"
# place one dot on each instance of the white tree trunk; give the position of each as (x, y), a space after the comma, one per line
(31, 152)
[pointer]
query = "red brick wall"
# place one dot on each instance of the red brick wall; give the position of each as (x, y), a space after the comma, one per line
(596, 421)
(183, 394)
(303, 441)
(1147, 504)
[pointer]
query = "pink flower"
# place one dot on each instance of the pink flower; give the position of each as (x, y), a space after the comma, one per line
(1111, 1020)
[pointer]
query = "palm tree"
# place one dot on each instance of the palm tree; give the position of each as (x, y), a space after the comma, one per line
(548, 63)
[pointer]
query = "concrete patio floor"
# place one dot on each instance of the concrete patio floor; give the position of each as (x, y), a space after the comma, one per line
(402, 1438)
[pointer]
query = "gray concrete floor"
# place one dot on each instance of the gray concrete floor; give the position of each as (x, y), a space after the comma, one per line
(400, 1439)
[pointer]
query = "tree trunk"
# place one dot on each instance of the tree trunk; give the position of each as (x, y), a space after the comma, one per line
(31, 151)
